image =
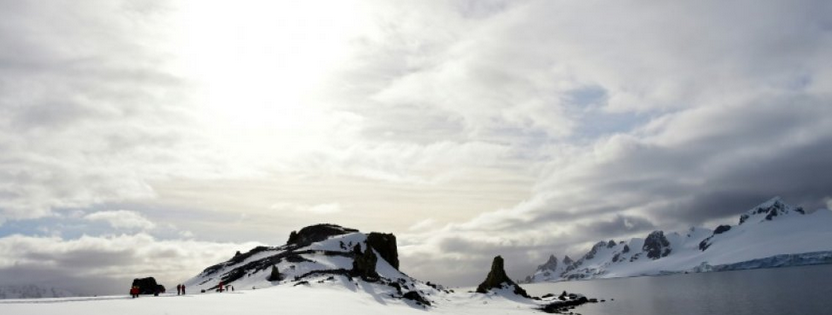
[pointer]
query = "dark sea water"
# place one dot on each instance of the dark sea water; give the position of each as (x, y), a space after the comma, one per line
(797, 290)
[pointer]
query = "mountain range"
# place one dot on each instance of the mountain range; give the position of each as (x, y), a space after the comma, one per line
(31, 291)
(772, 234)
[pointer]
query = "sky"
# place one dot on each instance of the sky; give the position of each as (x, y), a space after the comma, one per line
(156, 138)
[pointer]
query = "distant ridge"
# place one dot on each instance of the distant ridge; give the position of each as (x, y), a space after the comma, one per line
(772, 234)
(31, 291)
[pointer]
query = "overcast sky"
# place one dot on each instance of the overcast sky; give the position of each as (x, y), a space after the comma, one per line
(156, 138)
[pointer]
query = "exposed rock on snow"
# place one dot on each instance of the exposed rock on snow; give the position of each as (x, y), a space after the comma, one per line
(770, 209)
(364, 264)
(317, 233)
(656, 245)
(497, 279)
(385, 245)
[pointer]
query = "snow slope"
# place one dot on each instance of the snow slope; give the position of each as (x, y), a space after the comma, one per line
(773, 234)
(325, 261)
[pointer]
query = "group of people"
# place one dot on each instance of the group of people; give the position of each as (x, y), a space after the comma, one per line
(180, 289)
(221, 288)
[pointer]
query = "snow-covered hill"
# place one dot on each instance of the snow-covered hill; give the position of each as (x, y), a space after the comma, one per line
(32, 291)
(339, 260)
(317, 255)
(773, 234)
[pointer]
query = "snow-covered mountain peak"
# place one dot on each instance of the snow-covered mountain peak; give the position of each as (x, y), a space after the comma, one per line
(769, 210)
(550, 264)
(323, 254)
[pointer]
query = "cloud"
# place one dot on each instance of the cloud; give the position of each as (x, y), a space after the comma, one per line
(122, 219)
(320, 209)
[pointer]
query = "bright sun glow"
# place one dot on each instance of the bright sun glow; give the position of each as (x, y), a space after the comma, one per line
(260, 67)
(260, 62)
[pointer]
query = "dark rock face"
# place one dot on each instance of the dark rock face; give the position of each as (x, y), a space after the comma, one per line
(415, 296)
(498, 279)
(722, 229)
(626, 249)
(550, 264)
(385, 245)
(611, 244)
(594, 250)
(704, 244)
(364, 264)
(317, 233)
(567, 261)
(148, 286)
(656, 245)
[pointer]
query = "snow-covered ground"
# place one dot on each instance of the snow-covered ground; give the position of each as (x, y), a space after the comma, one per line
(331, 298)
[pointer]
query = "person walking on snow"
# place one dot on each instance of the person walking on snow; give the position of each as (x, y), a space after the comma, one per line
(183, 289)
(178, 289)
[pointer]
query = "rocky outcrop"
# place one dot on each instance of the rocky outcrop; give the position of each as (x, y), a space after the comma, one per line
(316, 233)
(274, 275)
(656, 245)
(551, 264)
(364, 264)
(148, 286)
(771, 209)
(704, 244)
(415, 296)
(497, 279)
(385, 245)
